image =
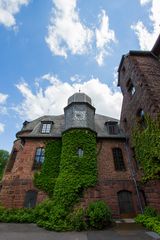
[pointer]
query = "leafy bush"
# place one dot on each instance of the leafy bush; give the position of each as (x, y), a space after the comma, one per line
(150, 211)
(77, 220)
(98, 215)
(17, 215)
(150, 219)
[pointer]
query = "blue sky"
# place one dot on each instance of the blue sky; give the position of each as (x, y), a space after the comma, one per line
(50, 49)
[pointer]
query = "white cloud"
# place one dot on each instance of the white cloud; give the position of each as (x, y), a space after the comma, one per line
(2, 128)
(3, 98)
(104, 36)
(66, 32)
(52, 99)
(143, 2)
(9, 8)
(115, 77)
(145, 36)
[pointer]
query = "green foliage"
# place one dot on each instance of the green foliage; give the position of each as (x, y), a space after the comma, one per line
(17, 215)
(150, 211)
(64, 176)
(147, 148)
(4, 155)
(65, 182)
(78, 219)
(150, 219)
(98, 214)
(46, 178)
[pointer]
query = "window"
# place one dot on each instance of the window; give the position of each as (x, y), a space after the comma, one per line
(130, 87)
(112, 127)
(11, 160)
(46, 127)
(30, 199)
(39, 158)
(141, 118)
(80, 152)
(118, 159)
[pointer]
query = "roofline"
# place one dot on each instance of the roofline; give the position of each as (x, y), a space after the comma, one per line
(81, 103)
(133, 53)
(156, 48)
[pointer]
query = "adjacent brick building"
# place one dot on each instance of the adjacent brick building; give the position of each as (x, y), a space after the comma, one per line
(118, 174)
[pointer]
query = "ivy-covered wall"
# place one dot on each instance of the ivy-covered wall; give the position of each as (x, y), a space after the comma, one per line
(46, 178)
(76, 172)
(146, 143)
(65, 175)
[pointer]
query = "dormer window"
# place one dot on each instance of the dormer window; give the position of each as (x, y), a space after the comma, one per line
(112, 127)
(46, 127)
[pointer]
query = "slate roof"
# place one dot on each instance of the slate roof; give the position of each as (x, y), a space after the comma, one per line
(33, 128)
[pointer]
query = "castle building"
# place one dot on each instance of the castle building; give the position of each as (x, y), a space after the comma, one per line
(139, 80)
(119, 177)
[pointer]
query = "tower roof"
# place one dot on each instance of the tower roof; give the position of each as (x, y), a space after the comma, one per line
(79, 97)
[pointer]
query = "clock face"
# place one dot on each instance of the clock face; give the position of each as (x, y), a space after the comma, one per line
(79, 115)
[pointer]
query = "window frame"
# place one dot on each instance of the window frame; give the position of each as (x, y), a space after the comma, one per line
(38, 163)
(112, 127)
(119, 163)
(131, 88)
(44, 127)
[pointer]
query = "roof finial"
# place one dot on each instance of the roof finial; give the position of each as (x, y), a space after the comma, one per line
(79, 90)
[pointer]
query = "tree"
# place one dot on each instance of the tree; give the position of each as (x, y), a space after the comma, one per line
(4, 155)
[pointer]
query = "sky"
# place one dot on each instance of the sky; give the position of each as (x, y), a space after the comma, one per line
(51, 49)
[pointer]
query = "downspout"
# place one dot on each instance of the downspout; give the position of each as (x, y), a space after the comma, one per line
(133, 175)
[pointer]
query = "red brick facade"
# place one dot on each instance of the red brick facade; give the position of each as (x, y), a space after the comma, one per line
(19, 180)
(138, 71)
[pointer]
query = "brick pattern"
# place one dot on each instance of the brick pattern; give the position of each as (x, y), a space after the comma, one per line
(144, 73)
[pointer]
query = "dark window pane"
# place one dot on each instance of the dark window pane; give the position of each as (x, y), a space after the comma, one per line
(39, 158)
(112, 127)
(30, 199)
(118, 159)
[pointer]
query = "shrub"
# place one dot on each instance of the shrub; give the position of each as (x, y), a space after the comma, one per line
(150, 211)
(150, 219)
(17, 215)
(77, 220)
(98, 215)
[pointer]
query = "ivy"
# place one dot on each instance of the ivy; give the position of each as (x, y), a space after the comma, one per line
(66, 182)
(46, 178)
(146, 143)
(64, 176)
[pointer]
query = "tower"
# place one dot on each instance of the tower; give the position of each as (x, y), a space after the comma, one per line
(79, 112)
(139, 79)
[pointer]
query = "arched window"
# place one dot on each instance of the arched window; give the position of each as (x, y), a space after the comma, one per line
(80, 152)
(39, 158)
(12, 160)
(30, 199)
(118, 159)
(125, 202)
